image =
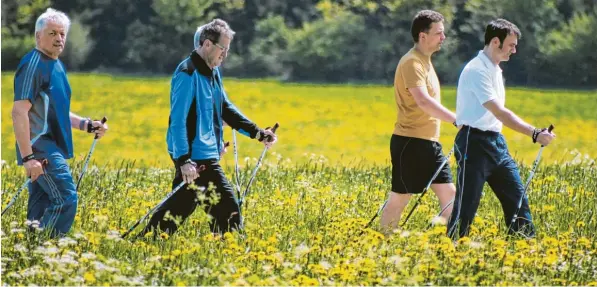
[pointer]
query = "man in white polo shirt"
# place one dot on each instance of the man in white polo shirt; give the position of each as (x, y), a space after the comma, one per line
(480, 148)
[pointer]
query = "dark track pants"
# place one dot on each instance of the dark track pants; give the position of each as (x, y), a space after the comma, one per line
(225, 213)
(483, 156)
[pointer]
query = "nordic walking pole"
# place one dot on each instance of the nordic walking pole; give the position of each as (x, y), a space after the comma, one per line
(14, 198)
(424, 191)
(374, 217)
(427, 187)
(242, 199)
(104, 119)
(236, 170)
(170, 194)
(440, 213)
(528, 183)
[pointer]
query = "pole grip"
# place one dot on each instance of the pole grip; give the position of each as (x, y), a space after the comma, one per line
(276, 126)
(549, 129)
(104, 120)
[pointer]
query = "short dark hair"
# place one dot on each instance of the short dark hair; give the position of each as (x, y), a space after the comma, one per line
(422, 22)
(500, 28)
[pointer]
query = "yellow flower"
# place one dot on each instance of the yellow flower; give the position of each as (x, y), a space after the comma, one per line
(580, 224)
(89, 277)
(584, 242)
(499, 243)
(509, 260)
(164, 235)
(550, 241)
(550, 259)
(464, 241)
(272, 239)
(522, 245)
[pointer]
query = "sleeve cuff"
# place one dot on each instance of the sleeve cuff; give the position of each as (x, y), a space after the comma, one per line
(258, 134)
(181, 160)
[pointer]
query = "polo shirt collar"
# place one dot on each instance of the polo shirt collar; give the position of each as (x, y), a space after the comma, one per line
(488, 63)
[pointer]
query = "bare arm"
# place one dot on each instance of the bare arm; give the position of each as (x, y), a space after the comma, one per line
(20, 120)
(75, 122)
(430, 105)
(508, 118)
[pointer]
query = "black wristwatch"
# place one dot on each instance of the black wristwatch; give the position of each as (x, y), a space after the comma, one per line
(190, 161)
(28, 158)
(535, 135)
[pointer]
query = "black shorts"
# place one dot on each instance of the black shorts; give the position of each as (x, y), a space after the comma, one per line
(414, 162)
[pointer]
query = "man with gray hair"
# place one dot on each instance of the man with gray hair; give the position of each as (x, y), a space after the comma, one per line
(42, 123)
(199, 106)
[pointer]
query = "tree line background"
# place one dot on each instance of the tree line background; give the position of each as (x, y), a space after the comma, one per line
(313, 40)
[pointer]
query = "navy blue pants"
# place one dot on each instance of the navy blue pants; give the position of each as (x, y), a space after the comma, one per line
(52, 196)
(483, 156)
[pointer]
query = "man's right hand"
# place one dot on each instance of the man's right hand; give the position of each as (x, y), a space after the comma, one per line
(545, 137)
(189, 172)
(34, 169)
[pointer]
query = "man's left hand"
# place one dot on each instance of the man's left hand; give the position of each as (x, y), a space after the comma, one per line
(99, 128)
(225, 149)
(269, 138)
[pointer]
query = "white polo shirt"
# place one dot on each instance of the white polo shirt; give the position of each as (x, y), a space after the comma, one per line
(480, 81)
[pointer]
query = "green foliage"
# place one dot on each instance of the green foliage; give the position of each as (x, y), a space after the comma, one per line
(79, 44)
(329, 49)
(18, 28)
(570, 51)
(269, 49)
(315, 40)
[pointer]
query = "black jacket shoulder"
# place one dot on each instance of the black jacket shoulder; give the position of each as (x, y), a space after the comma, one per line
(187, 66)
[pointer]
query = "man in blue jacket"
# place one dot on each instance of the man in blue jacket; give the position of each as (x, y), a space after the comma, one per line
(199, 107)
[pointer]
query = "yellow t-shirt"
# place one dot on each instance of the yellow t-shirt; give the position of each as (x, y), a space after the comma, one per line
(415, 70)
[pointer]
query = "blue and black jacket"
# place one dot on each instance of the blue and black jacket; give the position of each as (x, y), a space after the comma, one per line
(198, 107)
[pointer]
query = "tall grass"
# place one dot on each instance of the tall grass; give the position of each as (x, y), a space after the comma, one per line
(303, 224)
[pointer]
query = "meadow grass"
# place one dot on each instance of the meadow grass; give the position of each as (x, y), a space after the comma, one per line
(319, 186)
(344, 123)
(303, 226)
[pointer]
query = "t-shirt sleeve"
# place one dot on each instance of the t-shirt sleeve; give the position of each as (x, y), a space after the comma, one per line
(414, 74)
(481, 86)
(27, 81)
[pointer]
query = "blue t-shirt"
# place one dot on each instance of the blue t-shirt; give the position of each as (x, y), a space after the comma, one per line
(42, 80)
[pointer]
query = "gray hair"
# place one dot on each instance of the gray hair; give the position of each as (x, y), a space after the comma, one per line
(52, 15)
(212, 31)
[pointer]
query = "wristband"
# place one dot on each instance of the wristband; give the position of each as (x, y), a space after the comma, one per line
(82, 123)
(183, 159)
(260, 135)
(263, 137)
(191, 162)
(28, 158)
(536, 133)
(89, 126)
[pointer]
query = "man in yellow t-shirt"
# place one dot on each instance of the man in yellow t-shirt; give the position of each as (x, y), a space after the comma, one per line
(415, 150)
